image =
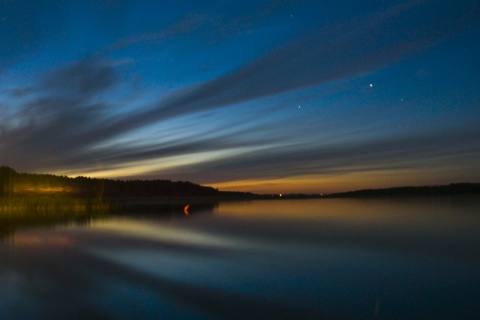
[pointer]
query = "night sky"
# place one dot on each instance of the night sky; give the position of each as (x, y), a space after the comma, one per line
(262, 96)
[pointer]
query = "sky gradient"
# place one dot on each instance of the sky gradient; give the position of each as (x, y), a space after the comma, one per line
(262, 96)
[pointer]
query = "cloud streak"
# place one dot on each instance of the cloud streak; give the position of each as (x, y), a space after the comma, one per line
(348, 49)
(73, 115)
(409, 152)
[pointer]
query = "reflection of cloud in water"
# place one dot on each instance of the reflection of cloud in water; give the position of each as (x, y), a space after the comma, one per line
(184, 268)
(180, 254)
(13, 281)
(226, 266)
(214, 262)
(42, 240)
(217, 275)
(159, 232)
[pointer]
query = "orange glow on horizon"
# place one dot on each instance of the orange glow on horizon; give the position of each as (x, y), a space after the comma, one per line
(318, 184)
(41, 240)
(310, 184)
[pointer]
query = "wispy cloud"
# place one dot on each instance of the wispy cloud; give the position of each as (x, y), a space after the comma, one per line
(350, 48)
(420, 150)
(73, 114)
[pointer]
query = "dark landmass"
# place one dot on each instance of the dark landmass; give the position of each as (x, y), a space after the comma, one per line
(26, 184)
(167, 191)
(291, 196)
(450, 189)
(48, 200)
(29, 200)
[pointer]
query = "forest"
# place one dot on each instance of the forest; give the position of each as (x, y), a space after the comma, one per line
(13, 183)
(449, 189)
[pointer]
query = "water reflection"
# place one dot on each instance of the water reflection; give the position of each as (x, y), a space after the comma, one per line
(28, 212)
(313, 259)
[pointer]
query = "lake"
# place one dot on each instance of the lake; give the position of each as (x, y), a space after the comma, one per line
(396, 258)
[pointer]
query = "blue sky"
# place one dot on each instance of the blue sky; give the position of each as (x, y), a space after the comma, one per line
(262, 96)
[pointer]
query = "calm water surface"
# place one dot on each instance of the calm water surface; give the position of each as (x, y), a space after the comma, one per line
(291, 259)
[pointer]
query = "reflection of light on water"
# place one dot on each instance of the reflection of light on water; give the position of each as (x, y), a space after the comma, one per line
(12, 293)
(169, 234)
(252, 265)
(363, 259)
(270, 270)
(182, 267)
(42, 240)
(310, 209)
(184, 255)
(418, 215)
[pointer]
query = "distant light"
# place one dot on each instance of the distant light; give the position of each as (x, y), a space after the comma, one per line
(280, 195)
(371, 85)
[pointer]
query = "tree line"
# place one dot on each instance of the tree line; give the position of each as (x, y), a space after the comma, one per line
(453, 188)
(14, 183)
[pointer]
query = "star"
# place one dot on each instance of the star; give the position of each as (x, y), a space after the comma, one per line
(371, 85)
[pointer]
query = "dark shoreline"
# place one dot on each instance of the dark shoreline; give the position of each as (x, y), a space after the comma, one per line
(15, 185)
(410, 191)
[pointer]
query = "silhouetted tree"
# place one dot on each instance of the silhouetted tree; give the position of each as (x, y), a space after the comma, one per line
(7, 178)
(28, 183)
